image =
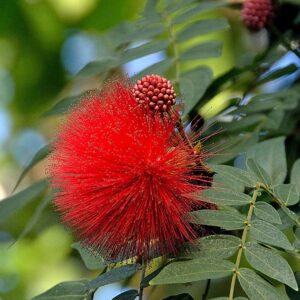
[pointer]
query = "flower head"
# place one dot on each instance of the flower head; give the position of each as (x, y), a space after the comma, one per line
(125, 180)
(256, 13)
(155, 93)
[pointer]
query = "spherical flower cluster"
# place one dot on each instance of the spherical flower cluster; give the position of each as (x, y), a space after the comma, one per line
(124, 180)
(155, 92)
(257, 13)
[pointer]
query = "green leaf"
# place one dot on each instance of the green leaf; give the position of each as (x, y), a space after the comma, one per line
(287, 193)
(229, 220)
(255, 287)
(116, 274)
(143, 50)
(183, 296)
(37, 214)
(193, 85)
(291, 68)
(235, 145)
(195, 10)
(5, 237)
(203, 50)
(225, 183)
(244, 123)
(158, 68)
(270, 155)
(40, 155)
(274, 119)
(66, 104)
(235, 174)
(202, 27)
(293, 216)
(218, 246)
(258, 171)
(174, 5)
(258, 103)
(269, 234)
(99, 67)
(225, 198)
(91, 260)
(267, 212)
(13, 203)
(193, 270)
(270, 263)
(128, 295)
(71, 290)
(295, 175)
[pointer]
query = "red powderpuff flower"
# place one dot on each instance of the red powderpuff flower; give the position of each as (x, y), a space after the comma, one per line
(257, 13)
(125, 181)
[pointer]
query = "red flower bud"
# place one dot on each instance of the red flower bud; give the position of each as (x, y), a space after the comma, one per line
(154, 92)
(257, 13)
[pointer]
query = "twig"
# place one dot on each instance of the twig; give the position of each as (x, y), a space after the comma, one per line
(144, 266)
(205, 294)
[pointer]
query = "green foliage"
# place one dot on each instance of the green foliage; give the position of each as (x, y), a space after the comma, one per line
(75, 290)
(193, 270)
(91, 260)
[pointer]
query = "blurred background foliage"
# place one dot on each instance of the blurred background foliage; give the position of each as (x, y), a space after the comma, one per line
(46, 50)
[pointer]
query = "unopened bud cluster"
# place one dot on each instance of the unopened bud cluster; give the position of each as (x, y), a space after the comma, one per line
(154, 92)
(257, 13)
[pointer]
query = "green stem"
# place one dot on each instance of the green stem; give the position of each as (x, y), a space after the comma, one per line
(242, 245)
(144, 266)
